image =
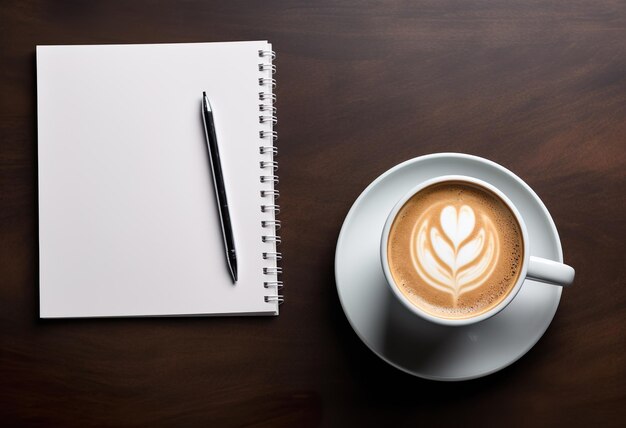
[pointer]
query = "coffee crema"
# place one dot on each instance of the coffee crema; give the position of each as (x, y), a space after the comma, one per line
(455, 250)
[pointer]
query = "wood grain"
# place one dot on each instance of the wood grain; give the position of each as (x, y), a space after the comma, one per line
(538, 86)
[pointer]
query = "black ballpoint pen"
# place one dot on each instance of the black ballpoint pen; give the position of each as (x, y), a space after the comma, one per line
(220, 189)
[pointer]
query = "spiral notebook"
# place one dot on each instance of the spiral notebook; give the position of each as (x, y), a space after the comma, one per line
(128, 221)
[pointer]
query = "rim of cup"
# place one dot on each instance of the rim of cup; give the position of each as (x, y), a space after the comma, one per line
(414, 308)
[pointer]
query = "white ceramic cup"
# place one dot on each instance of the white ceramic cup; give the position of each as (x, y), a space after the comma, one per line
(534, 268)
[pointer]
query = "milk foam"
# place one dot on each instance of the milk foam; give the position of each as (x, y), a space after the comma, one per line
(453, 254)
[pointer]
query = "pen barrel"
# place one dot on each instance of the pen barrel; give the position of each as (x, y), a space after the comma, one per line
(216, 163)
(220, 189)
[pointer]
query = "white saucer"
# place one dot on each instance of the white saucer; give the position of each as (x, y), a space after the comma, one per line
(403, 339)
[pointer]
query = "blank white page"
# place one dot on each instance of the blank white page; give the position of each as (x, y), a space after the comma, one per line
(128, 221)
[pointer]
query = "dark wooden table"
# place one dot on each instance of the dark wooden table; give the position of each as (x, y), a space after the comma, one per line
(539, 87)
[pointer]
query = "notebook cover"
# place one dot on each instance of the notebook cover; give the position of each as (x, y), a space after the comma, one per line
(128, 223)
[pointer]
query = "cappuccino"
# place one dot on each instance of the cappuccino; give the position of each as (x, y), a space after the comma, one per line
(455, 250)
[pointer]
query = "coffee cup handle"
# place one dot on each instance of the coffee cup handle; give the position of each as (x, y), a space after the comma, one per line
(550, 272)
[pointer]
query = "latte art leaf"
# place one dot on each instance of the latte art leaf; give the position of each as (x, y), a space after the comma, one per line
(457, 226)
(456, 255)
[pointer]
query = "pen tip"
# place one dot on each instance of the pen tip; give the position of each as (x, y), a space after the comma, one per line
(205, 101)
(232, 265)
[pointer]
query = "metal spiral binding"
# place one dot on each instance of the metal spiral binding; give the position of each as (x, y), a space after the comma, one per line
(271, 238)
(264, 54)
(269, 164)
(272, 256)
(264, 81)
(265, 67)
(267, 118)
(269, 178)
(269, 134)
(271, 208)
(277, 284)
(274, 193)
(271, 223)
(268, 149)
(264, 96)
(267, 107)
